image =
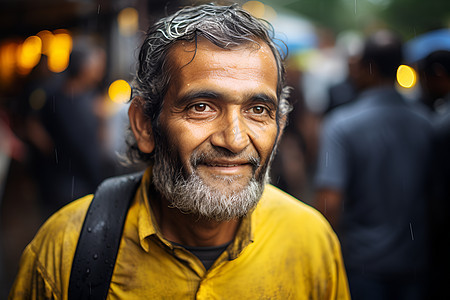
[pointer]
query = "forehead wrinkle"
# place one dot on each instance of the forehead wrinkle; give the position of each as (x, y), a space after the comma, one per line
(210, 50)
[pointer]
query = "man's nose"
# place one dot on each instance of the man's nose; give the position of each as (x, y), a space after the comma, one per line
(231, 133)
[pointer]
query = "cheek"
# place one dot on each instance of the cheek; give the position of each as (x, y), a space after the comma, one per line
(264, 138)
(185, 138)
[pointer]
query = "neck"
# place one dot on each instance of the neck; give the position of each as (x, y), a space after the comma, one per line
(190, 229)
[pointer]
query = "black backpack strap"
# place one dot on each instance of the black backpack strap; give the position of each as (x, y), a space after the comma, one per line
(100, 236)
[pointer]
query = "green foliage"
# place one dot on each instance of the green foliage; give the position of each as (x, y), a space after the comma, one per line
(408, 17)
(413, 17)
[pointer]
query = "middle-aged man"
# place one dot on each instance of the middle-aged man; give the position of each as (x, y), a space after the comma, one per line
(372, 180)
(208, 110)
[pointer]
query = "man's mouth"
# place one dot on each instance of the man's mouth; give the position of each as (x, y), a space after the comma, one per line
(225, 164)
(215, 163)
(227, 167)
(222, 166)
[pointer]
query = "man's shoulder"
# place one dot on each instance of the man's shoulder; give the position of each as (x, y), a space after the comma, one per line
(282, 207)
(63, 227)
(288, 222)
(46, 262)
(274, 196)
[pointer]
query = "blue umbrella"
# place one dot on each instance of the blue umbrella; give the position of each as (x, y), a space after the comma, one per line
(419, 47)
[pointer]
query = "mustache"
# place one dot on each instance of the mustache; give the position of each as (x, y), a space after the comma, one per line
(210, 155)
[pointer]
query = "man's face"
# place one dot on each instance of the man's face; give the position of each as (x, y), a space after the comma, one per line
(218, 121)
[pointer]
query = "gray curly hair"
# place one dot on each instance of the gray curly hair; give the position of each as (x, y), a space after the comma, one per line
(224, 26)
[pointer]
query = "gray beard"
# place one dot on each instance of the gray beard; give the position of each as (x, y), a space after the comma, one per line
(192, 195)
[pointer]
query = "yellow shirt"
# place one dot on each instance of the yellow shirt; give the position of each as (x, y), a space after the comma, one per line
(283, 250)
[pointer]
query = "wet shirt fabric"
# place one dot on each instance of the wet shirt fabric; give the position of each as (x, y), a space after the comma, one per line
(283, 250)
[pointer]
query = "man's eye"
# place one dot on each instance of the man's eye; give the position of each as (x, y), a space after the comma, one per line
(200, 107)
(258, 110)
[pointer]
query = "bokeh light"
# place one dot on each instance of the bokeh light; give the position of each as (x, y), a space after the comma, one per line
(128, 20)
(29, 54)
(47, 38)
(37, 99)
(59, 50)
(119, 91)
(7, 62)
(260, 10)
(406, 76)
(270, 13)
(256, 8)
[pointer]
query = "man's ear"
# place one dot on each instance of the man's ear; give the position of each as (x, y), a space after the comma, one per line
(141, 126)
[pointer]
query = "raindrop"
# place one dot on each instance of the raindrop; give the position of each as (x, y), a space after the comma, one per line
(412, 234)
(89, 229)
(88, 271)
(98, 9)
(56, 156)
(95, 256)
(73, 186)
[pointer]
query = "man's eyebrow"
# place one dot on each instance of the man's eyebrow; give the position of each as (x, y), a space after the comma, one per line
(205, 94)
(264, 98)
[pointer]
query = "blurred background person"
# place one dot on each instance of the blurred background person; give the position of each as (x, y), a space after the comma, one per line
(59, 119)
(67, 135)
(345, 91)
(371, 180)
(434, 74)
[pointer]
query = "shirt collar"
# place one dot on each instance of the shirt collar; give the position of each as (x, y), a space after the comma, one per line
(147, 226)
(244, 237)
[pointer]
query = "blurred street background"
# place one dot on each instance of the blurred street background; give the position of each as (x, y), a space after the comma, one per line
(78, 57)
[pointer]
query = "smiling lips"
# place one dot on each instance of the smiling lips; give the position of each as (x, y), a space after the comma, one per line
(227, 163)
(227, 167)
